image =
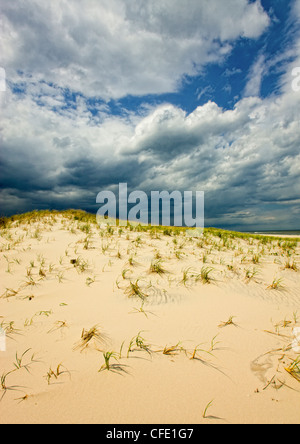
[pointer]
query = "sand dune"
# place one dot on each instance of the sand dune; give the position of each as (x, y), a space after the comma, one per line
(129, 326)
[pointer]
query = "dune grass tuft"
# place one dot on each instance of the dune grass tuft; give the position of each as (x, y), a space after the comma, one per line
(204, 415)
(134, 290)
(205, 275)
(227, 323)
(156, 267)
(107, 356)
(294, 369)
(139, 342)
(56, 373)
(276, 284)
(87, 336)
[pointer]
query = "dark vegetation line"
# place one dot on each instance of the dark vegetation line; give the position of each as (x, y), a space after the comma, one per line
(83, 216)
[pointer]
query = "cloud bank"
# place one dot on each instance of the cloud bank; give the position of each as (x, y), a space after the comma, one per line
(114, 48)
(57, 151)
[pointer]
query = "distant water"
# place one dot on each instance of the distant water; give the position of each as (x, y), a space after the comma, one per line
(279, 233)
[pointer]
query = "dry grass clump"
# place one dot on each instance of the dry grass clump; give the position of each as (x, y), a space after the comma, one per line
(172, 350)
(94, 335)
(227, 323)
(58, 325)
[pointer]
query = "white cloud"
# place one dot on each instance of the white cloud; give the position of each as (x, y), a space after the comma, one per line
(255, 77)
(207, 91)
(245, 159)
(293, 52)
(117, 47)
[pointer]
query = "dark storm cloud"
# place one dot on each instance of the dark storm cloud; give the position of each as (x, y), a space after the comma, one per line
(54, 155)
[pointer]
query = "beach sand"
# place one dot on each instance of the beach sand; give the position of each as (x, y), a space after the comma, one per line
(183, 340)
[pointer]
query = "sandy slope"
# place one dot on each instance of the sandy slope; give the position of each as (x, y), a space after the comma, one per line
(47, 302)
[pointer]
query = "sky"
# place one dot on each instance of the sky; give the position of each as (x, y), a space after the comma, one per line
(188, 95)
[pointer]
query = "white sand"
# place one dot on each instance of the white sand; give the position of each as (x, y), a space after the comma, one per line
(48, 318)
